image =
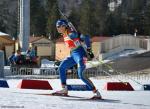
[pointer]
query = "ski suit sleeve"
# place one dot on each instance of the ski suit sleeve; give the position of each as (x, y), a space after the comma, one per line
(86, 40)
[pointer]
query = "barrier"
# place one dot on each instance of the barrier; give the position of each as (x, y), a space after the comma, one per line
(118, 86)
(146, 86)
(78, 87)
(34, 84)
(4, 84)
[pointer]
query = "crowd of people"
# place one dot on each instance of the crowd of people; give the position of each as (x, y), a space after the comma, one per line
(23, 58)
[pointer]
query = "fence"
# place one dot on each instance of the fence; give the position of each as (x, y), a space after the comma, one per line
(27, 72)
(100, 71)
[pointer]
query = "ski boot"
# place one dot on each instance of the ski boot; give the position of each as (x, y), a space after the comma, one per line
(97, 95)
(63, 92)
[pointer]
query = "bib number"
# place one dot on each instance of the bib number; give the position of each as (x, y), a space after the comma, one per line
(77, 43)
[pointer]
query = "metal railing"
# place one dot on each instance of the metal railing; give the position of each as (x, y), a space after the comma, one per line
(23, 72)
(101, 72)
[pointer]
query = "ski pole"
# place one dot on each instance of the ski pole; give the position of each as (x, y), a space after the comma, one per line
(118, 72)
(111, 75)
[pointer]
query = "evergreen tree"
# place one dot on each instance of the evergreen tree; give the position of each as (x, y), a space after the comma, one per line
(2, 26)
(14, 25)
(115, 22)
(146, 18)
(37, 18)
(133, 18)
(86, 17)
(89, 17)
(52, 16)
(100, 14)
(74, 17)
(8, 18)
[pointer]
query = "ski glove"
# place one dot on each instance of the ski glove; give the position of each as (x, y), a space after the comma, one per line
(90, 54)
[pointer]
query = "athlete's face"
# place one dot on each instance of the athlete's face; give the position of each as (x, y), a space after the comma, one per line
(61, 29)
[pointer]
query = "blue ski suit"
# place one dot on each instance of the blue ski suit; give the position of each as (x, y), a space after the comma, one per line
(77, 56)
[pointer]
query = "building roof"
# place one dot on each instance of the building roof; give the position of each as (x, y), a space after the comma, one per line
(99, 38)
(3, 34)
(5, 37)
(33, 39)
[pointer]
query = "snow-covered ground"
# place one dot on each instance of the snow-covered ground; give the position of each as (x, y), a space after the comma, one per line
(14, 98)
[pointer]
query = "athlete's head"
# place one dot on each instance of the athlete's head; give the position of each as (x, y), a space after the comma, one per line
(61, 22)
(61, 25)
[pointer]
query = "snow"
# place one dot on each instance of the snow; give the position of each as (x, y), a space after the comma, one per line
(45, 63)
(122, 54)
(126, 53)
(13, 97)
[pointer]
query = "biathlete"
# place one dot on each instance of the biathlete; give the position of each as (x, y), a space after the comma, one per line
(77, 56)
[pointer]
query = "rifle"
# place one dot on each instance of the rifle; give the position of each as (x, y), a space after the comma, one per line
(69, 23)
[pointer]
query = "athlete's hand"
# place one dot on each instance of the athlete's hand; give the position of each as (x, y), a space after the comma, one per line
(90, 54)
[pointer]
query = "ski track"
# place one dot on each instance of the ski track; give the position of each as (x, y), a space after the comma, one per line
(14, 98)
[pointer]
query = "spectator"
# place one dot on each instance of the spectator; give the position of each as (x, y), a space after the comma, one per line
(30, 54)
(18, 59)
(11, 58)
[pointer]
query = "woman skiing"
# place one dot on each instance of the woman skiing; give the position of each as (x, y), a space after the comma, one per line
(78, 54)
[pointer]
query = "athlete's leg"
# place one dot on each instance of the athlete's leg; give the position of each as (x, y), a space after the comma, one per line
(65, 64)
(81, 67)
(79, 59)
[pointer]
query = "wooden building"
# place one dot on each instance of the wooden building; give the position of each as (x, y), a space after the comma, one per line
(7, 45)
(44, 47)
